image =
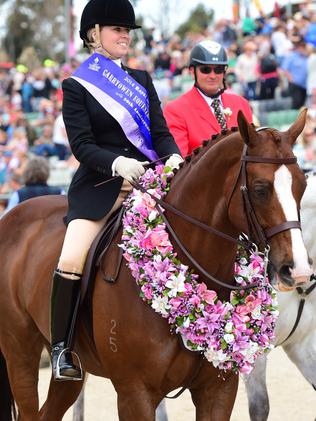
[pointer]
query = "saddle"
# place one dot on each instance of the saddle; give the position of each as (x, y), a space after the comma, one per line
(103, 246)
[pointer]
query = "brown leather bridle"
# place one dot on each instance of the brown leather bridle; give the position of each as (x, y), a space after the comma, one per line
(254, 228)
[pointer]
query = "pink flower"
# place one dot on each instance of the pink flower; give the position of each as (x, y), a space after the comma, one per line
(147, 290)
(188, 288)
(195, 300)
(252, 302)
(246, 368)
(206, 294)
(174, 291)
(242, 310)
(176, 302)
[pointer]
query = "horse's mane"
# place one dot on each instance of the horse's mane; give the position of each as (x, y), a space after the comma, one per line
(210, 143)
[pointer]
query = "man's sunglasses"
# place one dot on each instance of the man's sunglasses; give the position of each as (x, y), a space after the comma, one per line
(208, 69)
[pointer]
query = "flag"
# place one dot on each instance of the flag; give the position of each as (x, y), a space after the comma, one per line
(236, 9)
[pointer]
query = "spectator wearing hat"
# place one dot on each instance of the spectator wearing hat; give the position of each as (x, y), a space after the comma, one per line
(206, 109)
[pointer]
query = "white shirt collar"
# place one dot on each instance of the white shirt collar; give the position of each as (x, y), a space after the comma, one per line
(118, 61)
(210, 100)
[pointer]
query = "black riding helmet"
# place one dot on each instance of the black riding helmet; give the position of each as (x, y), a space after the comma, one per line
(107, 13)
(208, 52)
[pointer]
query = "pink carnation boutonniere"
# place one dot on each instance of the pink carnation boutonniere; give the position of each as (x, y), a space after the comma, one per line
(227, 113)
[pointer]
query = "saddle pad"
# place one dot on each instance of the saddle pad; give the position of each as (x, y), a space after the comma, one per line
(102, 246)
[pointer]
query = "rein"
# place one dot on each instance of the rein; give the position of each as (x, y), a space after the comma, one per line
(162, 204)
(253, 225)
(303, 293)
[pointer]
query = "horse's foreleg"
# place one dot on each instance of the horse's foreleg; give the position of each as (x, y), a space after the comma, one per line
(258, 400)
(136, 402)
(61, 395)
(161, 412)
(22, 358)
(215, 400)
(303, 355)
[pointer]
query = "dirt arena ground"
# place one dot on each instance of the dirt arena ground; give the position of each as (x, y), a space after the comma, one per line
(291, 397)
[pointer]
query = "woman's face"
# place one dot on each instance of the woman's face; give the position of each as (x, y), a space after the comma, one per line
(115, 40)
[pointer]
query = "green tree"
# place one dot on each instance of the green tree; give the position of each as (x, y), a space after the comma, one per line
(39, 24)
(198, 21)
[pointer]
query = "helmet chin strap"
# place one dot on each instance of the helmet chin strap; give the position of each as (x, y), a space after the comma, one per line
(217, 94)
(99, 47)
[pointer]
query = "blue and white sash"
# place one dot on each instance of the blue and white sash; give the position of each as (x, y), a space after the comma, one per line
(121, 96)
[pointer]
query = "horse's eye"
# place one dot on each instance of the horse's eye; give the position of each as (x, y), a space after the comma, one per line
(261, 191)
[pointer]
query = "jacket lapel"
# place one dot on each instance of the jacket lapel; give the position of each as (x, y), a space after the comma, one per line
(225, 105)
(204, 110)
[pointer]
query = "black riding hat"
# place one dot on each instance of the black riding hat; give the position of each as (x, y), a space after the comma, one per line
(107, 13)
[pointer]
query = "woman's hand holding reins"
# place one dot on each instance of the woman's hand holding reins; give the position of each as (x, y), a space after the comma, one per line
(129, 168)
(174, 161)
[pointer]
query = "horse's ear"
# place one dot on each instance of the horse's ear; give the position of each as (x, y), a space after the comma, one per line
(297, 127)
(246, 130)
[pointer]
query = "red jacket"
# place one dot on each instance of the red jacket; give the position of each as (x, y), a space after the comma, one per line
(191, 120)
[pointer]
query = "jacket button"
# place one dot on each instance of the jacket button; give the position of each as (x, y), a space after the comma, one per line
(126, 149)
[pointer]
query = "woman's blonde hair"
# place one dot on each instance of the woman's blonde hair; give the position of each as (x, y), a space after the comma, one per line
(95, 45)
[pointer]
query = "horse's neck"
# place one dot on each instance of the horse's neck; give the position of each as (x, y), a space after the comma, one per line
(199, 190)
(308, 210)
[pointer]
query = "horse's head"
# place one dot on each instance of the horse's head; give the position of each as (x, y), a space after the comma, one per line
(274, 186)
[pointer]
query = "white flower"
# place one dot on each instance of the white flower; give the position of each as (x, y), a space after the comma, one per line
(153, 215)
(250, 352)
(250, 272)
(187, 322)
(229, 338)
(256, 313)
(160, 305)
(137, 197)
(227, 112)
(228, 327)
(275, 302)
(176, 284)
(215, 357)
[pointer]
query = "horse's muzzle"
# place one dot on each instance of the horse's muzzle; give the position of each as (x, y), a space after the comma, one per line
(286, 278)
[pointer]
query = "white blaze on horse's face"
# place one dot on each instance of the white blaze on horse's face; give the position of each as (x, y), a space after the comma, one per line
(283, 188)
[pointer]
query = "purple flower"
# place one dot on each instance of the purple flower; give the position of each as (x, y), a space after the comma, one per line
(244, 326)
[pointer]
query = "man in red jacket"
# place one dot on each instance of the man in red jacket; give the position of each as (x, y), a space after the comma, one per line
(206, 109)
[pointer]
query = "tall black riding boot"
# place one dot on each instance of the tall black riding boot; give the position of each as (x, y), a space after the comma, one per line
(64, 307)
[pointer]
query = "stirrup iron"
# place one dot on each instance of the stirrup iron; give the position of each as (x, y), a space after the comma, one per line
(58, 375)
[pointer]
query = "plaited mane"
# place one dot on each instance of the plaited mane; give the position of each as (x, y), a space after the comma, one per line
(205, 146)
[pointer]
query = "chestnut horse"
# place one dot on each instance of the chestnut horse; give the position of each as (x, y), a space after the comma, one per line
(129, 342)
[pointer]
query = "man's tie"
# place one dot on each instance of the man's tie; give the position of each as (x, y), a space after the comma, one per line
(216, 105)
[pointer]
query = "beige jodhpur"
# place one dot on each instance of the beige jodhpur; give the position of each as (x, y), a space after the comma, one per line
(79, 236)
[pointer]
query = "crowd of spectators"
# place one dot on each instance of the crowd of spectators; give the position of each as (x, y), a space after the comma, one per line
(270, 57)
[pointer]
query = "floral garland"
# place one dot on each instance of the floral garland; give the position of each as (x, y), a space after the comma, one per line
(231, 335)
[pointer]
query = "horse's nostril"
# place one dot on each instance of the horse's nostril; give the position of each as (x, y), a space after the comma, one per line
(310, 261)
(285, 275)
